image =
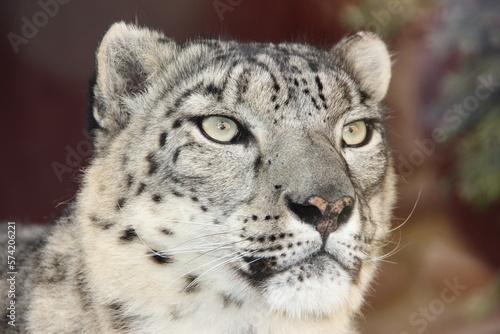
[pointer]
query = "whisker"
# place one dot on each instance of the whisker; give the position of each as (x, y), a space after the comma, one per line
(201, 266)
(186, 222)
(411, 213)
(220, 264)
(203, 236)
(215, 249)
(194, 250)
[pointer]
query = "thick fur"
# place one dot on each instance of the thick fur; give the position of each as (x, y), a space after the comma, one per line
(172, 232)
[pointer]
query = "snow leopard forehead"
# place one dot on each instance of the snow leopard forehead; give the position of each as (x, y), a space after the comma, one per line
(285, 81)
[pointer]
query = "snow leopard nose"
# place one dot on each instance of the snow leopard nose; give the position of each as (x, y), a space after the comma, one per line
(325, 216)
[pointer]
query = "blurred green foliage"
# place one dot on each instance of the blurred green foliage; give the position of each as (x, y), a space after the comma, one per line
(478, 171)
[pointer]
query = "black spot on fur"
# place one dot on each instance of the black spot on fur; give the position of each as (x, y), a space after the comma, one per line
(296, 82)
(204, 208)
(101, 223)
(161, 258)
(313, 66)
(267, 217)
(194, 199)
(319, 83)
(53, 269)
(163, 139)
(257, 164)
(141, 188)
(170, 112)
(254, 217)
(175, 156)
(121, 203)
(228, 301)
(178, 194)
(166, 231)
(117, 316)
(83, 288)
(120, 320)
(153, 164)
(277, 186)
(313, 100)
(259, 269)
(242, 84)
(130, 180)
(211, 89)
(175, 313)
(177, 123)
(192, 285)
(156, 198)
(128, 235)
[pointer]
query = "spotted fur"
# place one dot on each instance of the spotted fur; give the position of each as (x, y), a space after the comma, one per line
(173, 232)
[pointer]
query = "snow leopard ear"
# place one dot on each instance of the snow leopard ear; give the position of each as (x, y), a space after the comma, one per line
(366, 57)
(127, 59)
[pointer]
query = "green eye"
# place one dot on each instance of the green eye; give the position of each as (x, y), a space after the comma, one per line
(220, 129)
(354, 133)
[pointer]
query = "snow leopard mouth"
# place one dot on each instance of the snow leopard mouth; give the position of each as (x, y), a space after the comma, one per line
(320, 263)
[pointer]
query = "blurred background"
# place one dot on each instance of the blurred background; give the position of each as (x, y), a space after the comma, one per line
(441, 274)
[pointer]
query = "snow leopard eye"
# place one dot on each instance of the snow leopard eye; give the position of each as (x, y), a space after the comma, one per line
(356, 134)
(220, 129)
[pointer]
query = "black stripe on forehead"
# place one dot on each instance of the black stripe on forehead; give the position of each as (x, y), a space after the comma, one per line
(204, 86)
(263, 66)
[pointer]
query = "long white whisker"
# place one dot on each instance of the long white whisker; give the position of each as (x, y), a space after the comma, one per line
(201, 237)
(242, 255)
(195, 250)
(186, 222)
(411, 213)
(215, 249)
(201, 266)
(206, 264)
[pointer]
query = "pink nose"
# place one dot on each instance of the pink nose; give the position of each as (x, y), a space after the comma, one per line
(330, 212)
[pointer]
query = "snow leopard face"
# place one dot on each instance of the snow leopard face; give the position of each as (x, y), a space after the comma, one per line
(231, 175)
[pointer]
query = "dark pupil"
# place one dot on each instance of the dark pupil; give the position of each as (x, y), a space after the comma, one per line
(222, 126)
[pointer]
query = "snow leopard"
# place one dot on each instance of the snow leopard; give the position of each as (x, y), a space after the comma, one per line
(234, 188)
